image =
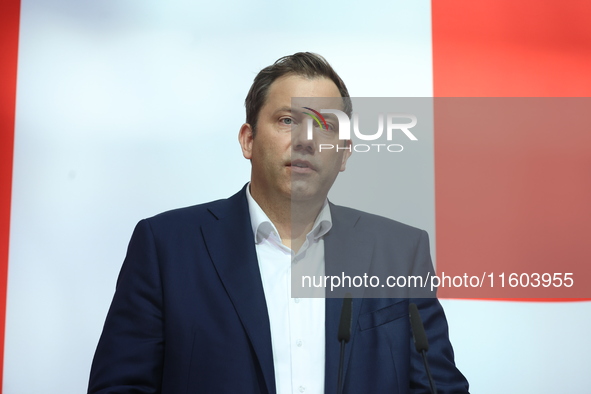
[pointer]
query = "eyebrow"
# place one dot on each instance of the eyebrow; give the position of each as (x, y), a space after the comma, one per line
(283, 109)
(290, 110)
(327, 116)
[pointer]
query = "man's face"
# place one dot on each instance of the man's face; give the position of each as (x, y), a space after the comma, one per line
(284, 162)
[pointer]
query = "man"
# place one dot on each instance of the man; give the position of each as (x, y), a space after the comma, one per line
(203, 303)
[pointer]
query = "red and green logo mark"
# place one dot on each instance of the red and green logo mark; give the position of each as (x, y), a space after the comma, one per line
(316, 115)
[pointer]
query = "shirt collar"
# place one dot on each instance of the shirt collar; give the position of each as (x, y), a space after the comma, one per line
(262, 227)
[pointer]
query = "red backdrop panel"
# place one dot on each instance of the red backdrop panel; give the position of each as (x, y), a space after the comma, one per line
(511, 48)
(9, 26)
(513, 199)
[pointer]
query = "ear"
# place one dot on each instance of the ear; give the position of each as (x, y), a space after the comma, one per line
(346, 153)
(245, 137)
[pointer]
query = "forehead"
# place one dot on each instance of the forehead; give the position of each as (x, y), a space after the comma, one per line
(319, 92)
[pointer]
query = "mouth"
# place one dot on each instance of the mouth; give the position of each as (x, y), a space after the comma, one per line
(301, 166)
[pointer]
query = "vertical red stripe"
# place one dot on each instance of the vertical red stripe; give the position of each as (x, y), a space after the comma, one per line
(9, 30)
(511, 201)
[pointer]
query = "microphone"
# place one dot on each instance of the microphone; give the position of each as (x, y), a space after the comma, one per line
(344, 335)
(420, 339)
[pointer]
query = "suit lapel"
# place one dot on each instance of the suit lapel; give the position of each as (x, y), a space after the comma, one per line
(230, 243)
(350, 251)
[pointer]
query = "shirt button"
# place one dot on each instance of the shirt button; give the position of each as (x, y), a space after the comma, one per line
(296, 300)
(299, 343)
(302, 389)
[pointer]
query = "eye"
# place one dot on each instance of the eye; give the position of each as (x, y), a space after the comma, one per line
(287, 121)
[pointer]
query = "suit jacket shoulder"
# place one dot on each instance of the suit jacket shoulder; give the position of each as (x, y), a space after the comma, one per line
(189, 312)
(201, 214)
(372, 223)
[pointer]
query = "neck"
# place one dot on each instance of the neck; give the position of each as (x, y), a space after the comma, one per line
(293, 219)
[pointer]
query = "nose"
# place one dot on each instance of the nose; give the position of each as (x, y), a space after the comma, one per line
(300, 140)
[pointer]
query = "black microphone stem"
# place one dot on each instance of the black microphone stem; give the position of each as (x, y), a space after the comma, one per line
(420, 338)
(341, 362)
(433, 388)
(344, 335)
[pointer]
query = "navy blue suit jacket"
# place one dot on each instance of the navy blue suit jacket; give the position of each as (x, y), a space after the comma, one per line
(189, 312)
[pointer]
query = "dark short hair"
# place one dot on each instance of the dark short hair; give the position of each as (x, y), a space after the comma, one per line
(305, 64)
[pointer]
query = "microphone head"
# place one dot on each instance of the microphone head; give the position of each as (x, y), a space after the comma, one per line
(346, 318)
(418, 330)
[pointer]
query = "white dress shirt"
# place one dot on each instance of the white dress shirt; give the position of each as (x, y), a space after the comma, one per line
(297, 324)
